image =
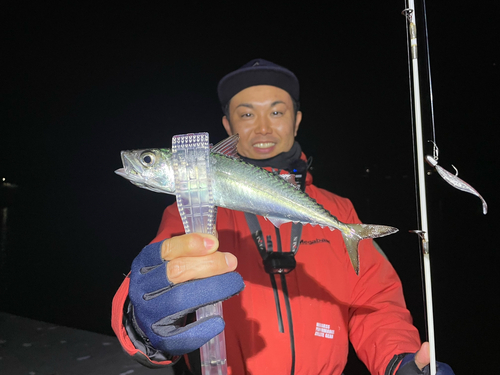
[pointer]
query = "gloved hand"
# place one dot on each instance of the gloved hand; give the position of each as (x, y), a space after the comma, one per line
(409, 367)
(159, 306)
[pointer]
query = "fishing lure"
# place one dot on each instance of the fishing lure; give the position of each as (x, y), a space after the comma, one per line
(455, 181)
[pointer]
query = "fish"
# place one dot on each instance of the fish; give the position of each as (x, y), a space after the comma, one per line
(241, 186)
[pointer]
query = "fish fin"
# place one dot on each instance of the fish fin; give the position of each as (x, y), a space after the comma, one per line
(351, 244)
(227, 147)
(290, 178)
(363, 231)
(277, 221)
(360, 232)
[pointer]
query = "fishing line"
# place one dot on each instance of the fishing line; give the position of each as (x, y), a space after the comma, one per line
(431, 93)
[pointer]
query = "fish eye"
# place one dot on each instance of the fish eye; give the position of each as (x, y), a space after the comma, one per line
(147, 158)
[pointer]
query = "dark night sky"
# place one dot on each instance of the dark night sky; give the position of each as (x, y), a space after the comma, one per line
(82, 82)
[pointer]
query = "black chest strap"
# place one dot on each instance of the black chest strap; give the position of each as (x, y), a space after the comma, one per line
(274, 261)
(277, 261)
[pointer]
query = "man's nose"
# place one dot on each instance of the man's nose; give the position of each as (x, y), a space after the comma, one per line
(264, 126)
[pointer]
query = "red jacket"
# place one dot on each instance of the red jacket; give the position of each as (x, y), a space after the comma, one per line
(329, 303)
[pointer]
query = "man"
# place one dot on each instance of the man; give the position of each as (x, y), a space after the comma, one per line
(299, 309)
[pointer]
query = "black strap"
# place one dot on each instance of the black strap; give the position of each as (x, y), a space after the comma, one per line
(274, 261)
(258, 237)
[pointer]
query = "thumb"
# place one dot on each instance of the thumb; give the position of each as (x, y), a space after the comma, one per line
(423, 356)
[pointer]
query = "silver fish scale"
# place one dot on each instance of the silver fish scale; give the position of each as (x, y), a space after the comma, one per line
(244, 187)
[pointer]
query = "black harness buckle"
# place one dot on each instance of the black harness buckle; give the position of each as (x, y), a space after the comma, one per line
(279, 263)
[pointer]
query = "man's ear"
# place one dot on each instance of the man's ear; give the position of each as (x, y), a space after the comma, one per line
(298, 119)
(227, 125)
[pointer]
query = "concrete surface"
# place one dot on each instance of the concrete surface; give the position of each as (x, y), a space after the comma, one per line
(31, 347)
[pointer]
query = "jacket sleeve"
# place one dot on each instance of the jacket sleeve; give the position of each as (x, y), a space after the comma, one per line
(380, 325)
(133, 344)
(171, 224)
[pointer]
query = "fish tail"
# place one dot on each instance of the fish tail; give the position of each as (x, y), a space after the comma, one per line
(358, 232)
(371, 231)
(351, 243)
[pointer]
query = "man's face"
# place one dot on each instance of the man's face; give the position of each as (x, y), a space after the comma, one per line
(264, 118)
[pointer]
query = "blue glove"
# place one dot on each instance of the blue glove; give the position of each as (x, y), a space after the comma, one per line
(408, 367)
(159, 307)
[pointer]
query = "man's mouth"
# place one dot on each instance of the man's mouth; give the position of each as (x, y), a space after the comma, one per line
(264, 145)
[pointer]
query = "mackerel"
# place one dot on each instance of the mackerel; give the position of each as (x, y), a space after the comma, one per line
(240, 186)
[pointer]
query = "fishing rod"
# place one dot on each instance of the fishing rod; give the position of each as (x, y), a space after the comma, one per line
(423, 232)
(453, 180)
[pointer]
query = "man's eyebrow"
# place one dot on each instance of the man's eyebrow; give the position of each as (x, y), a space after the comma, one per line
(248, 105)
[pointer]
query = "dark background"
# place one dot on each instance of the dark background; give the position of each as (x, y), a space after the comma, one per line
(81, 82)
